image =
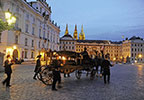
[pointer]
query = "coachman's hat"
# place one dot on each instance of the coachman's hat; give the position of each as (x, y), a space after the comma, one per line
(38, 56)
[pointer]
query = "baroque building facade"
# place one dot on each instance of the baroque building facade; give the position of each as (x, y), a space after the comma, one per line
(133, 50)
(127, 51)
(67, 42)
(34, 31)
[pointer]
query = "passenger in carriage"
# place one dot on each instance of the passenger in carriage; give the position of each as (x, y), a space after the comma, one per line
(85, 55)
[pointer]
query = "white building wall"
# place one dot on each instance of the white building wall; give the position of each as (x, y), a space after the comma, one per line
(27, 15)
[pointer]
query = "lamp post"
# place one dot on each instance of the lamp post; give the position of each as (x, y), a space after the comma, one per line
(11, 19)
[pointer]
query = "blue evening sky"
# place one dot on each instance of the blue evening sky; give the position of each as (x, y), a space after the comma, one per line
(102, 19)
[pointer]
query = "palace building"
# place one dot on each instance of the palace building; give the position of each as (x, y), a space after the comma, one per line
(130, 50)
(133, 50)
(34, 31)
(67, 42)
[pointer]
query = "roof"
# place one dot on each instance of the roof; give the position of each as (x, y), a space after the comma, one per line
(68, 53)
(94, 41)
(116, 42)
(67, 37)
(135, 38)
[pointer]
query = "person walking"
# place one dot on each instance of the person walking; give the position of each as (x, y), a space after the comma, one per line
(38, 67)
(56, 75)
(8, 71)
(106, 69)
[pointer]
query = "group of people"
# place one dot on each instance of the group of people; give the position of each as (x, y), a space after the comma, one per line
(103, 62)
(105, 68)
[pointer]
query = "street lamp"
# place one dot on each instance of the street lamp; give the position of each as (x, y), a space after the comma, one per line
(10, 18)
(140, 56)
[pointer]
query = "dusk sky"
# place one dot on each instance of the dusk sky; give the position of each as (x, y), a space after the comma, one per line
(102, 19)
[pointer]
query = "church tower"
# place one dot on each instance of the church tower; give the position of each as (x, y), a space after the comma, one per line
(75, 35)
(82, 34)
(66, 31)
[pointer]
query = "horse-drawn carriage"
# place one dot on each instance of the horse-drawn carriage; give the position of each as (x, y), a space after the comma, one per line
(69, 62)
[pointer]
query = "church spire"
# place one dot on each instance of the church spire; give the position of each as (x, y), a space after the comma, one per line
(82, 34)
(66, 31)
(75, 33)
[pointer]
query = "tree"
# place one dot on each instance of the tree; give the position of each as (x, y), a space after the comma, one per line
(4, 26)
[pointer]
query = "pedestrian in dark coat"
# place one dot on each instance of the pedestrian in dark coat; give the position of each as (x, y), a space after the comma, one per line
(106, 69)
(38, 67)
(56, 74)
(8, 71)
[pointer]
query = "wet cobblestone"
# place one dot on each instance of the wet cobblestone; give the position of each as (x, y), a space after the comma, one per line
(127, 83)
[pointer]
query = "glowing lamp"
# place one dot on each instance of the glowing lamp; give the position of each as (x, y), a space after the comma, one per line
(114, 59)
(54, 53)
(8, 15)
(63, 58)
(14, 47)
(9, 21)
(140, 56)
(59, 57)
(13, 18)
(135, 61)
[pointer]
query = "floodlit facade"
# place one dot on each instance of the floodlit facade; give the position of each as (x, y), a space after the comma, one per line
(34, 32)
(113, 49)
(67, 42)
(133, 50)
(127, 51)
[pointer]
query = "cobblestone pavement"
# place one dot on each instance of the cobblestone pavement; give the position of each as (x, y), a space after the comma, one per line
(127, 83)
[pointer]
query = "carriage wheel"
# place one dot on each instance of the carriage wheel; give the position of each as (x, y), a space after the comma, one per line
(92, 76)
(39, 76)
(78, 74)
(47, 77)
